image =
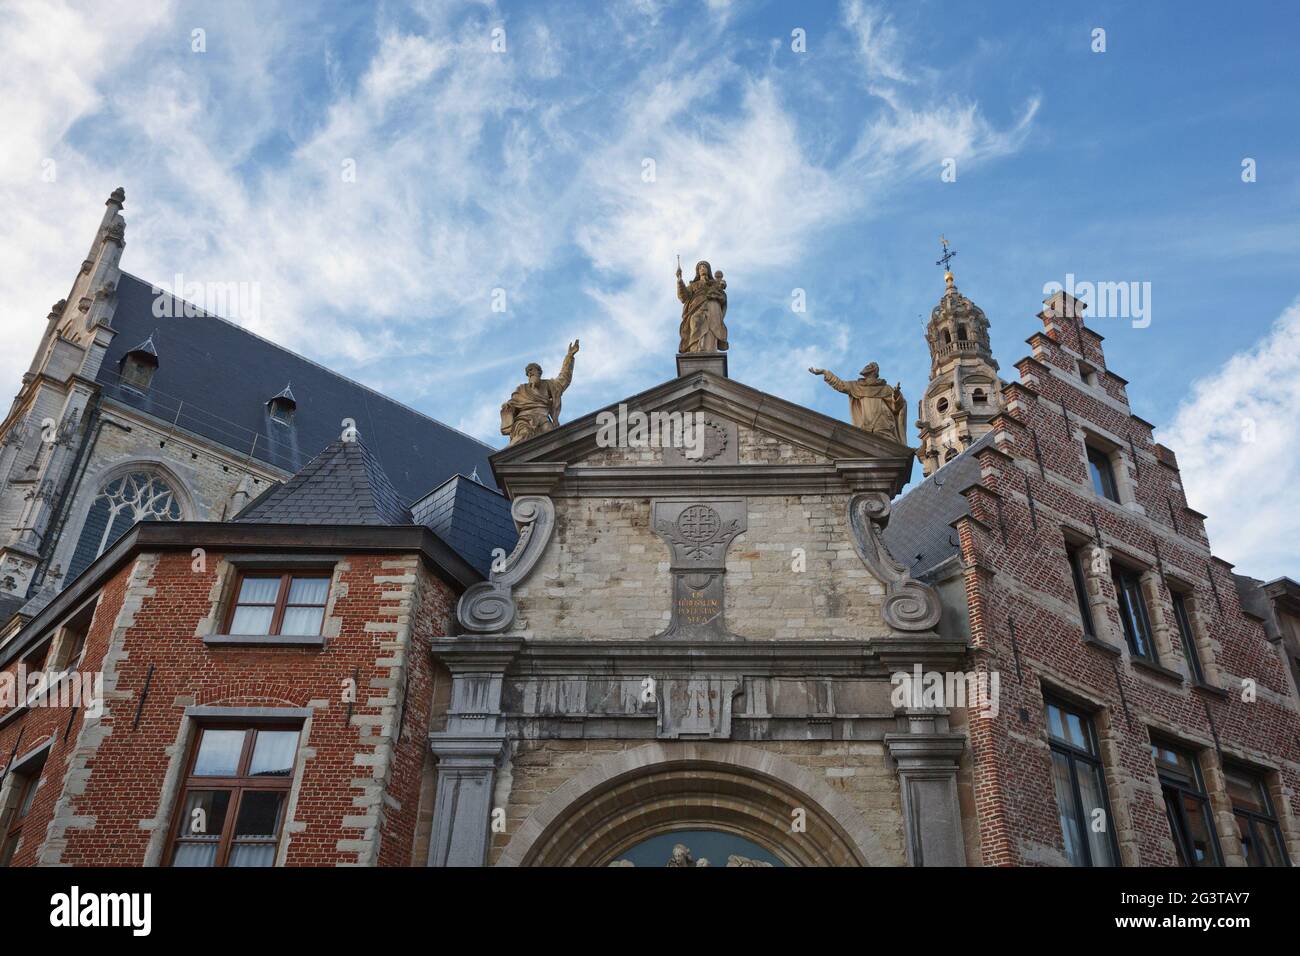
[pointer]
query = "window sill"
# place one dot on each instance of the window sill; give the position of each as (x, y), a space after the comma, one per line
(1220, 692)
(264, 640)
(1101, 645)
(1157, 671)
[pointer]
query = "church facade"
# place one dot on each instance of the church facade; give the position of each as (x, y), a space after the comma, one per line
(701, 625)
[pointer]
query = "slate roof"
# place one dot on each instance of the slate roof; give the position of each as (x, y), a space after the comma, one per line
(920, 532)
(471, 518)
(344, 484)
(213, 378)
(9, 605)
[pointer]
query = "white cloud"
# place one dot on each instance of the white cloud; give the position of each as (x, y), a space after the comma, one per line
(878, 43)
(472, 173)
(1236, 438)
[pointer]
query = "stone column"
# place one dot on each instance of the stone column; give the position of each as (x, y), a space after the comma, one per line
(467, 768)
(927, 757)
(471, 749)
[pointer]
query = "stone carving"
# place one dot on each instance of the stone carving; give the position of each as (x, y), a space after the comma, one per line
(695, 707)
(719, 446)
(875, 407)
(909, 605)
(488, 607)
(698, 534)
(704, 307)
(534, 407)
(682, 856)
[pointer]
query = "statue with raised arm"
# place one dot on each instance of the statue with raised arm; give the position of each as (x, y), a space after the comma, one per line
(535, 405)
(704, 306)
(875, 406)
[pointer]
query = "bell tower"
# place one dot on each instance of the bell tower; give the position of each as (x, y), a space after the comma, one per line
(965, 392)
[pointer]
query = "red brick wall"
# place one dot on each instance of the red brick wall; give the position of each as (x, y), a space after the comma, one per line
(1018, 576)
(127, 770)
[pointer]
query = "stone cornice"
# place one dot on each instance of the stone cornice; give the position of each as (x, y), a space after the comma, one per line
(555, 479)
(875, 656)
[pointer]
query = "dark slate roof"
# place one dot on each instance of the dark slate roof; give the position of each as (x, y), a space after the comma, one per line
(471, 518)
(9, 605)
(213, 378)
(344, 484)
(920, 532)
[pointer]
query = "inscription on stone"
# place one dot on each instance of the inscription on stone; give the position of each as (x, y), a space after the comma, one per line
(698, 533)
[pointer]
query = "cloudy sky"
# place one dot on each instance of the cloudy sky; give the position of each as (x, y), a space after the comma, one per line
(382, 175)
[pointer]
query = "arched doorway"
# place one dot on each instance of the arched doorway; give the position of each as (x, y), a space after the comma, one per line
(756, 797)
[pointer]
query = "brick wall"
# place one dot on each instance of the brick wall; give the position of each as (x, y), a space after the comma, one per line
(108, 790)
(1035, 490)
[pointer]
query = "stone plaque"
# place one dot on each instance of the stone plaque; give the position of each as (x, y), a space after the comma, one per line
(696, 707)
(698, 533)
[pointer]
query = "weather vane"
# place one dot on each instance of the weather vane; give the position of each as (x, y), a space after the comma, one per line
(947, 255)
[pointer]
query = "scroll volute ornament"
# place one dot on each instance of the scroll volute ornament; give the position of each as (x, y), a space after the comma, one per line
(489, 607)
(909, 604)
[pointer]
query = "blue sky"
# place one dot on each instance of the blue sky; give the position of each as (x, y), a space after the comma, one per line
(820, 170)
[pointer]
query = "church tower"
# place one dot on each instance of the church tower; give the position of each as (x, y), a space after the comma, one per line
(965, 392)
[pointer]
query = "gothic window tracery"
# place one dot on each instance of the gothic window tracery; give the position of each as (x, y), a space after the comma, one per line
(122, 501)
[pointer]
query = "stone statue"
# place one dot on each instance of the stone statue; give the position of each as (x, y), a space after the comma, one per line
(704, 306)
(535, 405)
(876, 407)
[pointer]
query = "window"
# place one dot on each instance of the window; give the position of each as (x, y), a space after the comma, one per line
(137, 372)
(1080, 788)
(1257, 828)
(941, 405)
(1081, 590)
(1103, 474)
(25, 783)
(275, 603)
(233, 805)
(1133, 613)
(980, 397)
(1188, 638)
(137, 496)
(947, 337)
(961, 333)
(1186, 806)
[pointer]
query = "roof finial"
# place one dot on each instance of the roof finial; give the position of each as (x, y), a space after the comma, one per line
(944, 260)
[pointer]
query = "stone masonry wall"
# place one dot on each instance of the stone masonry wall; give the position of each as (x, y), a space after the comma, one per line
(605, 573)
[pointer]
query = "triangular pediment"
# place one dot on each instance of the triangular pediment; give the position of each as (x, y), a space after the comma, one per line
(768, 432)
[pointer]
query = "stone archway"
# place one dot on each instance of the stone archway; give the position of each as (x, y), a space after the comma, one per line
(670, 786)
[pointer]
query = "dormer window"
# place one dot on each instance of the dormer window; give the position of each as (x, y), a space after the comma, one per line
(283, 406)
(139, 364)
